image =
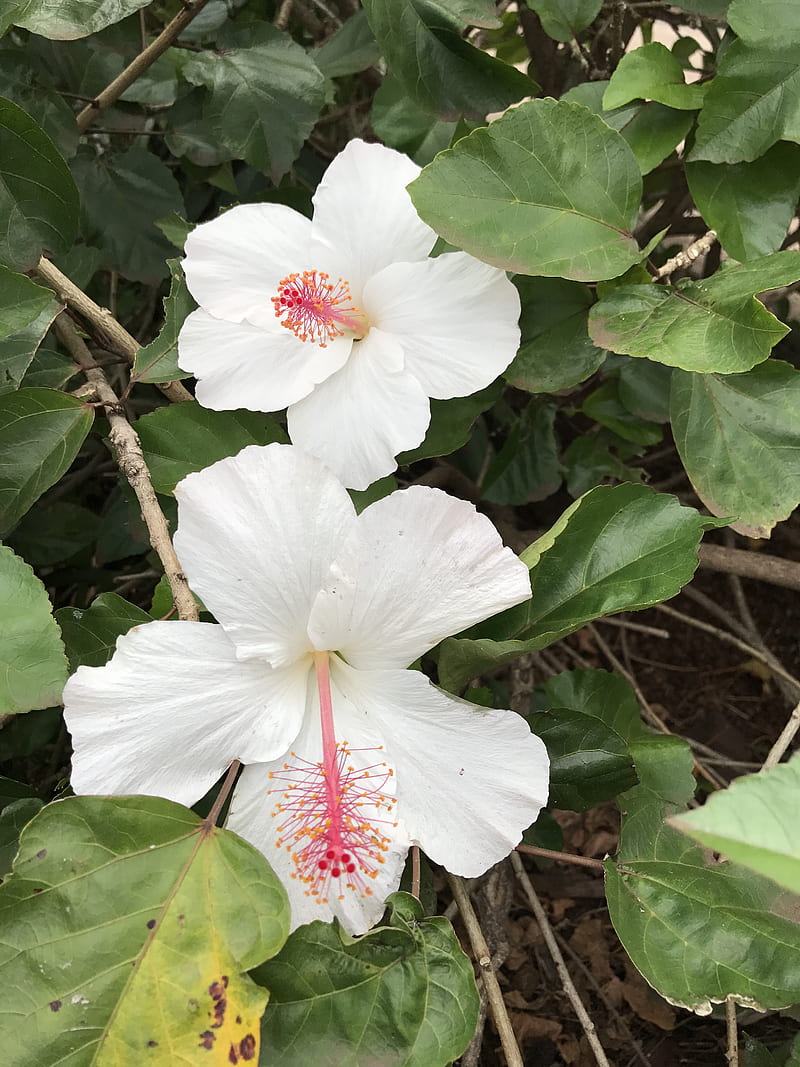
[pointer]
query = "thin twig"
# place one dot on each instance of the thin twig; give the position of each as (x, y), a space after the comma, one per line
(415, 871)
(132, 464)
(732, 1054)
(558, 960)
(561, 857)
(756, 653)
(490, 983)
(638, 627)
(282, 18)
(103, 322)
(135, 69)
(785, 739)
(688, 255)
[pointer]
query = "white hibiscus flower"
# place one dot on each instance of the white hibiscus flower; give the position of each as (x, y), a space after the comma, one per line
(343, 319)
(349, 757)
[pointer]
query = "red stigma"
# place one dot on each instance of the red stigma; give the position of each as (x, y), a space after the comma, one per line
(316, 309)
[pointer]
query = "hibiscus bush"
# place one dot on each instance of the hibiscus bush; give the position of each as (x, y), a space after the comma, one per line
(340, 343)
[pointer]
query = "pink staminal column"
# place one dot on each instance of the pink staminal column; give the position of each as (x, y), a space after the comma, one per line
(316, 309)
(333, 814)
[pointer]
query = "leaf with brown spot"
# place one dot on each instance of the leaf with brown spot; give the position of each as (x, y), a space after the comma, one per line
(148, 921)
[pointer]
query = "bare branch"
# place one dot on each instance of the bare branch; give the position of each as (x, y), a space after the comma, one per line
(688, 255)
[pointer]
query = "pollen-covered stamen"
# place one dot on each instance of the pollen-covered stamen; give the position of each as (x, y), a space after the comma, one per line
(334, 816)
(317, 309)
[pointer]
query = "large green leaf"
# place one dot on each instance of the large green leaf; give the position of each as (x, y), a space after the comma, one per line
(23, 305)
(68, 19)
(754, 822)
(187, 437)
(18, 349)
(38, 198)
(22, 82)
(547, 189)
(53, 532)
(738, 436)
(402, 994)
(556, 351)
(750, 205)
(90, 634)
(766, 24)
(713, 325)
(157, 915)
(351, 49)
(697, 933)
(753, 102)
(41, 431)
(652, 130)
(158, 361)
(564, 19)
(265, 94)
(652, 72)
(526, 468)
(121, 197)
(422, 43)
(401, 123)
(33, 667)
(618, 548)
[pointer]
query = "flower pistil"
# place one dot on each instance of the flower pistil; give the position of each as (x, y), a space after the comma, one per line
(330, 810)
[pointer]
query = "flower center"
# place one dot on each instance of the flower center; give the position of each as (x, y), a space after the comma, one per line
(316, 309)
(331, 811)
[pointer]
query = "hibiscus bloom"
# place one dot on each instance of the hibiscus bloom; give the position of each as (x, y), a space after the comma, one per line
(343, 319)
(349, 757)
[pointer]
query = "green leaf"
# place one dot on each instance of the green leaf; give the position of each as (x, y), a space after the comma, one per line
(753, 102)
(546, 189)
(738, 437)
(588, 462)
(41, 431)
(767, 24)
(527, 467)
(18, 349)
(265, 94)
(652, 72)
(52, 533)
(90, 635)
(401, 123)
(643, 387)
(451, 423)
(21, 82)
(334, 999)
(187, 437)
(13, 818)
(619, 548)
(33, 667)
(589, 762)
(351, 49)
(697, 933)
(754, 822)
(49, 369)
(157, 914)
(24, 306)
(38, 198)
(601, 695)
(564, 19)
(68, 19)
(711, 325)
(750, 205)
(121, 197)
(556, 351)
(652, 130)
(158, 361)
(422, 43)
(605, 406)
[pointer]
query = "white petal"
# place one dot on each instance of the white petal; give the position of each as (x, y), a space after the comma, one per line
(253, 815)
(420, 566)
(234, 263)
(360, 418)
(469, 779)
(455, 317)
(364, 216)
(257, 533)
(241, 365)
(172, 708)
